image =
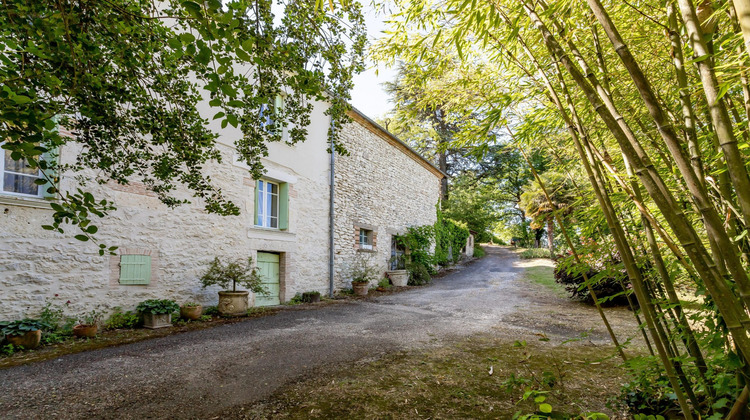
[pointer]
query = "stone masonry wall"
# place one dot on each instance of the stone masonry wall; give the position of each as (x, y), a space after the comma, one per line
(379, 188)
(38, 265)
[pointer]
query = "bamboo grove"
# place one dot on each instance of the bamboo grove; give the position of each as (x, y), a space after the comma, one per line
(645, 105)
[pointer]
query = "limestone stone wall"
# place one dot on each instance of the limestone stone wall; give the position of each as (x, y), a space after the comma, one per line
(38, 265)
(380, 186)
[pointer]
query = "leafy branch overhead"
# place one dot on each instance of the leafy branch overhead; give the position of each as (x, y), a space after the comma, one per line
(131, 87)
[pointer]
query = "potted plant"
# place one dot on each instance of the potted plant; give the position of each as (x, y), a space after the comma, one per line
(400, 276)
(191, 311)
(311, 297)
(26, 333)
(362, 274)
(157, 313)
(88, 324)
(233, 302)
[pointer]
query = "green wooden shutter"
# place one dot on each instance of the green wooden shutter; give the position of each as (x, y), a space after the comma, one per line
(135, 269)
(255, 203)
(283, 206)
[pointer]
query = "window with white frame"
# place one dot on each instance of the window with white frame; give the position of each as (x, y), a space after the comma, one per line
(267, 202)
(18, 178)
(365, 239)
(270, 114)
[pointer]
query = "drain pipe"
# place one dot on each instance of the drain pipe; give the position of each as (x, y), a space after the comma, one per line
(331, 212)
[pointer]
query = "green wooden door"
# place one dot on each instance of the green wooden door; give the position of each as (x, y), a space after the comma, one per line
(268, 264)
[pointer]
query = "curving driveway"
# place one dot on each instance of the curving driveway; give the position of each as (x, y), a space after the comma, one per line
(200, 373)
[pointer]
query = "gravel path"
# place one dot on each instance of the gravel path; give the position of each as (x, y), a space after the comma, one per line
(200, 373)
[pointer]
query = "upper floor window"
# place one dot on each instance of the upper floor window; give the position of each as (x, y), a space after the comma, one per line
(270, 114)
(18, 178)
(272, 204)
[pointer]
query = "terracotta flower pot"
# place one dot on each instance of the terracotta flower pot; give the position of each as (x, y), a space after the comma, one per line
(191, 312)
(30, 340)
(233, 303)
(360, 289)
(399, 278)
(88, 331)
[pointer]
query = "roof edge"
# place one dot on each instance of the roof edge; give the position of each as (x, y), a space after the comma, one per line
(389, 137)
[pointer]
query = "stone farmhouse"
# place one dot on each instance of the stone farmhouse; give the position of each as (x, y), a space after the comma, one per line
(379, 190)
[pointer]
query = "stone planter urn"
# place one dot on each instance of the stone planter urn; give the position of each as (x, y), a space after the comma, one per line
(399, 278)
(233, 303)
(30, 340)
(87, 331)
(154, 321)
(360, 289)
(191, 312)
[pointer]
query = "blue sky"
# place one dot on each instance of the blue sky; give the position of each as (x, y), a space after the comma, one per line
(368, 95)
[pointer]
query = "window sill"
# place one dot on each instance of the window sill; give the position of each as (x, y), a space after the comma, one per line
(14, 200)
(372, 251)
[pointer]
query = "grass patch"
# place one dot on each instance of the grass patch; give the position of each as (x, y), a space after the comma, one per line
(453, 381)
(542, 275)
(479, 252)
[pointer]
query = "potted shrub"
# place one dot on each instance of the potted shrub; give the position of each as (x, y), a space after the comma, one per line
(191, 311)
(233, 302)
(400, 276)
(362, 274)
(88, 324)
(157, 313)
(26, 333)
(311, 297)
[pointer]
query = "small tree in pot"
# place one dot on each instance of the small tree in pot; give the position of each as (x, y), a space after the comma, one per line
(157, 313)
(233, 302)
(363, 273)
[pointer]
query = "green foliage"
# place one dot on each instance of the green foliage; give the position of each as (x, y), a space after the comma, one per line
(157, 306)
(531, 253)
(385, 283)
(649, 390)
(211, 310)
(127, 77)
(309, 297)
(450, 238)
(190, 305)
(233, 272)
(418, 274)
(92, 317)
(363, 270)
(21, 327)
(607, 278)
(120, 319)
(296, 299)
(205, 318)
(8, 349)
(479, 252)
(53, 314)
(418, 241)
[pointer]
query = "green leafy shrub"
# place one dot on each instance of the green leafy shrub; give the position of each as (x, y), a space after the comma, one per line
(385, 283)
(233, 272)
(54, 315)
(479, 252)
(122, 320)
(418, 274)
(8, 349)
(157, 306)
(296, 299)
(211, 310)
(21, 327)
(649, 389)
(607, 279)
(205, 318)
(363, 271)
(532, 253)
(309, 297)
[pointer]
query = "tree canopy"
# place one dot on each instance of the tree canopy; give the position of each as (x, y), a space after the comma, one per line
(126, 77)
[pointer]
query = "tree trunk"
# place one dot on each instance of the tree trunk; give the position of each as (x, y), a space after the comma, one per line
(551, 236)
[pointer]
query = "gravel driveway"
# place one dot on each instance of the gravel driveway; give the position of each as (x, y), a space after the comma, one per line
(200, 373)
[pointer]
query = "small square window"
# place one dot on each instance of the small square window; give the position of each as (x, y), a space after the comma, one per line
(135, 269)
(365, 239)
